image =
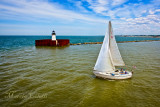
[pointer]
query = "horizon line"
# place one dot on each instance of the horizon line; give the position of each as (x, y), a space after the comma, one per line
(80, 35)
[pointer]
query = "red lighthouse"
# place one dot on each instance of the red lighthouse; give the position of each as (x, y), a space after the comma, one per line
(52, 42)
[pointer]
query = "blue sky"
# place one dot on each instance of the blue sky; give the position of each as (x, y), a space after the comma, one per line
(79, 17)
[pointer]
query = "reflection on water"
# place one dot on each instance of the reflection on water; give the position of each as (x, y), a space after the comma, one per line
(62, 77)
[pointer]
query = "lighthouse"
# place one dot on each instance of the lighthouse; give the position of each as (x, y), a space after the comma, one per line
(52, 42)
(53, 35)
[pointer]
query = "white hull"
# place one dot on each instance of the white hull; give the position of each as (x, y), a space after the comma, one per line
(117, 76)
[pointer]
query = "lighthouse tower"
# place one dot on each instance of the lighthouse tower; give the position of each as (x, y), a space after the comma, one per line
(53, 35)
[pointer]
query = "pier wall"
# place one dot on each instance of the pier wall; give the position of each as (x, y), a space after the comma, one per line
(49, 42)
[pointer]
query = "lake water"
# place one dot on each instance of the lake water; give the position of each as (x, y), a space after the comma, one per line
(62, 76)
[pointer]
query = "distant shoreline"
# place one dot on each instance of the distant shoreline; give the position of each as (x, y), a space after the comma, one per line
(144, 36)
(117, 42)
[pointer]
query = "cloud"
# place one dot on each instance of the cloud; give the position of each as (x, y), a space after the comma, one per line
(150, 19)
(98, 6)
(151, 12)
(40, 9)
(118, 2)
(127, 17)
(158, 10)
(123, 8)
(104, 6)
(141, 25)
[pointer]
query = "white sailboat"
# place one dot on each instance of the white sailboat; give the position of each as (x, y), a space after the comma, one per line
(108, 58)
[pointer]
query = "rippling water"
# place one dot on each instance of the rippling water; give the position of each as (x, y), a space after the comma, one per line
(62, 77)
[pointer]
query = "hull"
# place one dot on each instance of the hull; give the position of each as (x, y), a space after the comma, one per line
(113, 75)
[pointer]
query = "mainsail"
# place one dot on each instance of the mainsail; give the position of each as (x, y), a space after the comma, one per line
(109, 55)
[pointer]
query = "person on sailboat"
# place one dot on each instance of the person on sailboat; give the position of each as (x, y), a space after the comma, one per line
(121, 71)
(126, 72)
(116, 70)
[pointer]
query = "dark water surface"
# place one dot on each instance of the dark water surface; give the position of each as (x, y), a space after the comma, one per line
(62, 76)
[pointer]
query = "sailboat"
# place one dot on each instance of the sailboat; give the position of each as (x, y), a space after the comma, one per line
(109, 57)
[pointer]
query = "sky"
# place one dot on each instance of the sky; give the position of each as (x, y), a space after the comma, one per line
(79, 17)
